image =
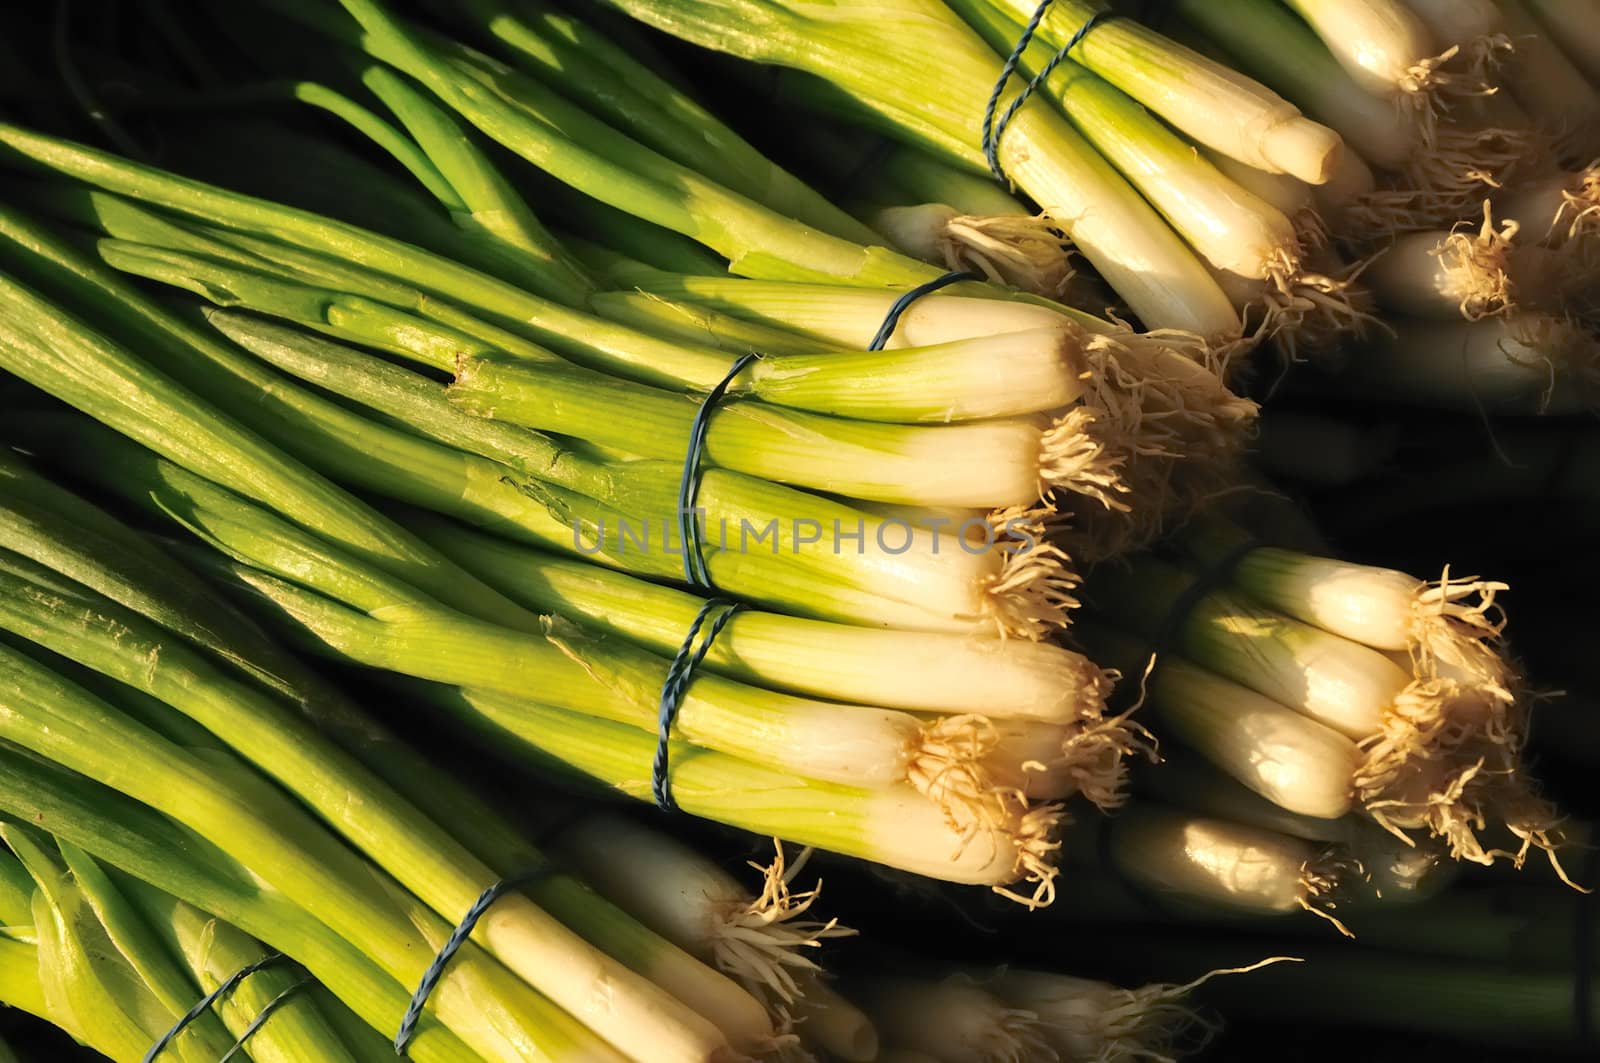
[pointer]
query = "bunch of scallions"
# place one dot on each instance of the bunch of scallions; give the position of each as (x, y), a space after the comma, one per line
(1279, 140)
(879, 1010)
(451, 359)
(903, 505)
(1314, 701)
(1113, 417)
(115, 962)
(1473, 210)
(1183, 183)
(153, 726)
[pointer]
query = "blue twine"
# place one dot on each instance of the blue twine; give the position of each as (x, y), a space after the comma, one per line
(266, 1013)
(992, 130)
(695, 571)
(209, 999)
(902, 304)
(680, 673)
(458, 937)
(694, 562)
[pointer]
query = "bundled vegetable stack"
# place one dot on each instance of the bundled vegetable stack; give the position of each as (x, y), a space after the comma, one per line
(449, 363)
(1195, 212)
(1471, 204)
(1329, 700)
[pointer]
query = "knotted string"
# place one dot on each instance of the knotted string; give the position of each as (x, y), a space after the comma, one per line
(992, 130)
(693, 650)
(694, 562)
(676, 687)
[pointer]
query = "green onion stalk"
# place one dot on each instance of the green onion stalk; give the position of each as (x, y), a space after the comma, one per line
(1392, 53)
(1451, 626)
(304, 1020)
(19, 980)
(1066, 451)
(1470, 274)
(758, 939)
(637, 998)
(70, 536)
(1437, 722)
(939, 385)
(326, 177)
(655, 132)
(1166, 429)
(1084, 1018)
(374, 268)
(488, 1008)
(1237, 233)
(1185, 859)
(939, 212)
(492, 221)
(893, 826)
(1006, 242)
(384, 623)
(586, 221)
(48, 347)
(955, 1018)
(1439, 168)
(475, 215)
(570, 144)
(1153, 415)
(1056, 366)
(1291, 196)
(1002, 463)
(585, 62)
(488, 204)
(138, 840)
(280, 161)
(1212, 104)
(1297, 763)
(762, 540)
(248, 153)
(1019, 592)
(964, 587)
(877, 58)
